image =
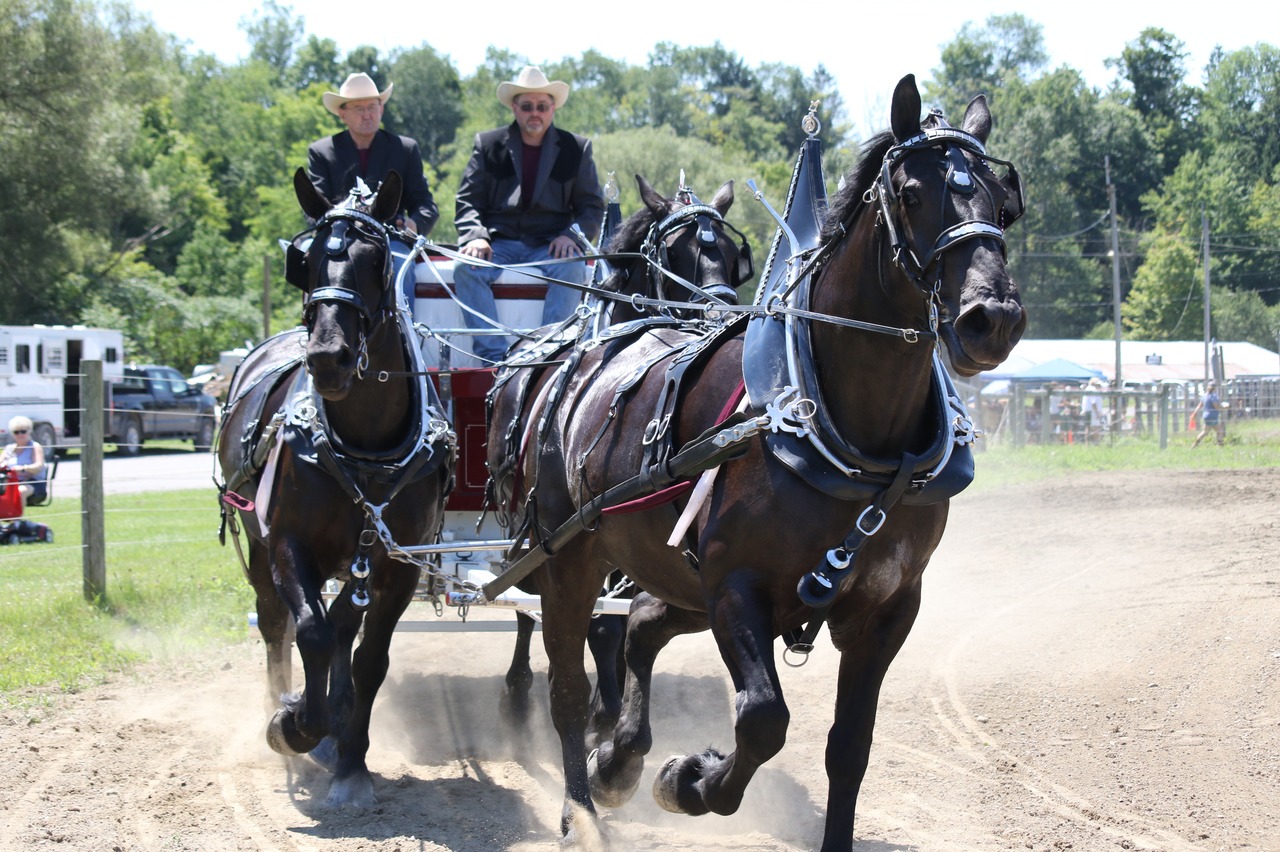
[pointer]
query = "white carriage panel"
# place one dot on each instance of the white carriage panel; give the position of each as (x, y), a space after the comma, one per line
(442, 315)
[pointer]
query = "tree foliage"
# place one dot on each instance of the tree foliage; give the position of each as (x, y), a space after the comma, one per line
(163, 179)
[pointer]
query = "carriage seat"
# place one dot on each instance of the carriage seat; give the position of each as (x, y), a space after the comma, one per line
(50, 471)
(425, 277)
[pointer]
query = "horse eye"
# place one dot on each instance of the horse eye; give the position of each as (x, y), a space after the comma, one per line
(909, 196)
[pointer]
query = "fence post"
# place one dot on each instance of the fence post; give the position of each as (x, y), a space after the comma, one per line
(1163, 403)
(92, 532)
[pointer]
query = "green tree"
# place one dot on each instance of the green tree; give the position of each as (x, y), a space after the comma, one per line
(316, 62)
(426, 103)
(1154, 65)
(1240, 112)
(1165, 301)
(984, 59)
(274, 34)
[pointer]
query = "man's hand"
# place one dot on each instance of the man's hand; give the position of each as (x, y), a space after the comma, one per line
(477, 248)
(563, 247)
(409, 225)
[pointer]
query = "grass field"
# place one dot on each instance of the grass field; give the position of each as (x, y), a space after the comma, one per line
(172, 589)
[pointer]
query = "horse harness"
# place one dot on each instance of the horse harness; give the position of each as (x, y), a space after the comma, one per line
(301, 422)
(787, 407)
(700, 217)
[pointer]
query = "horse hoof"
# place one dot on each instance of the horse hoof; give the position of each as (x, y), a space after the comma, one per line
(607, 796)
(355, 791)
(277, 737)
(665, 785)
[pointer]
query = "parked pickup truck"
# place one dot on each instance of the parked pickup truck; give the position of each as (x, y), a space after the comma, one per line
(156, 402)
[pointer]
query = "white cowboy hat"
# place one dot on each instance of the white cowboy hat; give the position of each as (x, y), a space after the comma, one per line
(531, 79)
(356, 87)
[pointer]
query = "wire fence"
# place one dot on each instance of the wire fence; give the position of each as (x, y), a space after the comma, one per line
(1072, 413)
(76, 511)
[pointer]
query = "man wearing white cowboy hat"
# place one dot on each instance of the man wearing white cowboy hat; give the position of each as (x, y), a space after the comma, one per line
(526, 187)
(364, 150)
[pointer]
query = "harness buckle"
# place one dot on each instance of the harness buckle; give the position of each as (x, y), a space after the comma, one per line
(879, 521)
(656, 428)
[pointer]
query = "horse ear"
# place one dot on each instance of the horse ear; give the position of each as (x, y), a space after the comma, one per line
(387, 203)
(977, 118)
(313, 203)
(905, 112)
(651, 198)
(724, 198)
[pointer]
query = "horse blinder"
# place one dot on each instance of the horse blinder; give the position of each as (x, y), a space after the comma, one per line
(296, 269)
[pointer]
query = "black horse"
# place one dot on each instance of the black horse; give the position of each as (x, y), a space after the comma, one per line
(668, 259)
(827, 484)
(336, 456)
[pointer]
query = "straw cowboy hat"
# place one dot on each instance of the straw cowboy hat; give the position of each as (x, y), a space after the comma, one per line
(531, 79)
(356, 87)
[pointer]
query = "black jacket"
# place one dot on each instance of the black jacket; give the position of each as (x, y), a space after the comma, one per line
(334, 164)
(567, 190)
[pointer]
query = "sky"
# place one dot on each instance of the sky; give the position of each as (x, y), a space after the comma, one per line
(866, 63)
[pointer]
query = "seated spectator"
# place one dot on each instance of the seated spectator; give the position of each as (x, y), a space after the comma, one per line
(25, 457)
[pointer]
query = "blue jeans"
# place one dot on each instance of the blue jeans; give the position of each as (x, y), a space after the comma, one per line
(475, 289)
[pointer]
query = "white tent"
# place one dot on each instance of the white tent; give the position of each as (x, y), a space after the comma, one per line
(1140, 361)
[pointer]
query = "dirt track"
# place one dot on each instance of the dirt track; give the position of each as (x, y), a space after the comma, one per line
(1095, 667)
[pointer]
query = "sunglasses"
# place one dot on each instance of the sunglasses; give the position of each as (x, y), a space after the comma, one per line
(528, 107)
(20, 431)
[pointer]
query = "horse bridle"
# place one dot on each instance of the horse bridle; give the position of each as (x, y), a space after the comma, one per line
(697, 215)
(960, 179)
(343, 220)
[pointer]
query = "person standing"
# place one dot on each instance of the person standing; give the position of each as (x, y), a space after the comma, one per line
(1210, 408)
(525, 188)
(1091, 409)
(25, 457)
(365, 150)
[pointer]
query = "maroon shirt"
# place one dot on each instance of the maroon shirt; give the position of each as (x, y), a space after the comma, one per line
(532, 156)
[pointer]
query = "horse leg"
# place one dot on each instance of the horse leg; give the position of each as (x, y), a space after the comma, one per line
(605, 640)
(276, 626)
(302, 722)
(515, 701)
(741, 621)
(345, 620)
(566, 614)
(352, 782)
(616, 765)
(863, 665)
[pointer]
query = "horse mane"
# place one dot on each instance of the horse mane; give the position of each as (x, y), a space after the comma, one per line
(631, 233)
(628, 239)
(847, 202)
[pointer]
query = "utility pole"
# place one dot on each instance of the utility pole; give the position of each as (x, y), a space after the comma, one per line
(1204, 236)
(266, 296)
(1115, 270)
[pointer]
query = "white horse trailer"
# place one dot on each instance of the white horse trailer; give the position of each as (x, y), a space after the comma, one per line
(40, 376)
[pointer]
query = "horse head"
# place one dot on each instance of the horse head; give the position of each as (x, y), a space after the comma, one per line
(936, 206)
(946, 203)
(688, 251)
(343, 266)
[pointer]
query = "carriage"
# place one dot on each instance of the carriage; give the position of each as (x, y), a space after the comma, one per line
(762, 470)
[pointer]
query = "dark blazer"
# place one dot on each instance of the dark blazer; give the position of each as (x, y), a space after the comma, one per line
(567, 190)
(334, 164)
